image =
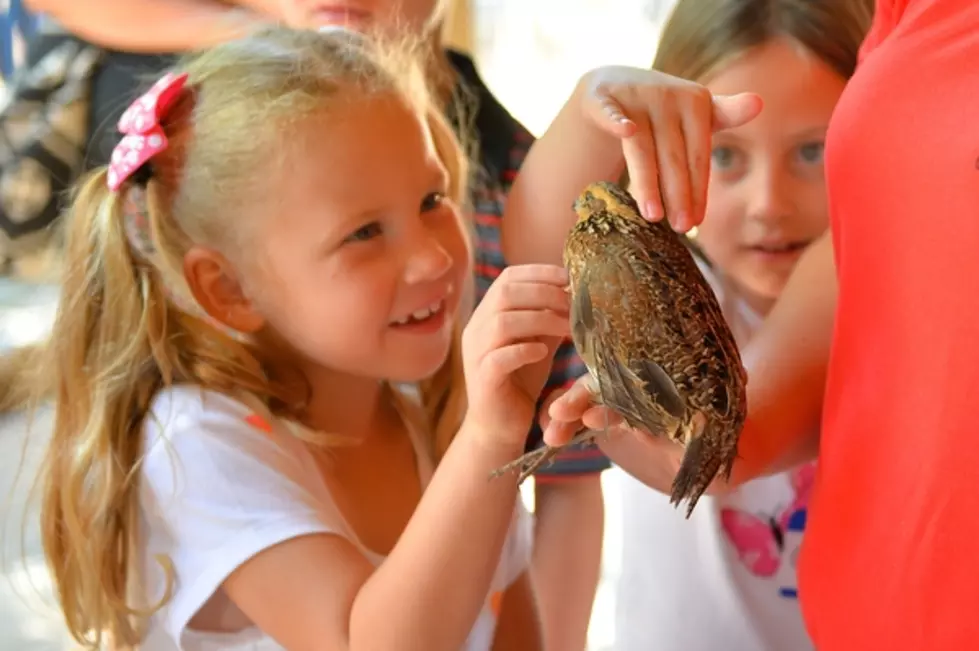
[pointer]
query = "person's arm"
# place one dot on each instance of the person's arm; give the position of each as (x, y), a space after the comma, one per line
(154, 26)
(317, 592)
(786, 362)
(570, 518)
(567, 559)
(656, 125)
(518, 627)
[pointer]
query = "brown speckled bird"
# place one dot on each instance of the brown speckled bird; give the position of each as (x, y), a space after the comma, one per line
(645, 321)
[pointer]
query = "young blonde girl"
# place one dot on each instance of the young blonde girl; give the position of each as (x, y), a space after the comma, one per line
(274, 251)
(276, 244)
(568, 496)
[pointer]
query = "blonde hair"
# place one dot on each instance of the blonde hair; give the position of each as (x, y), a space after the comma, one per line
(118, 338)
(700, 37)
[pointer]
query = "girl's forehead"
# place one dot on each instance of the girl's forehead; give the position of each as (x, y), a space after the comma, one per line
(794, 84)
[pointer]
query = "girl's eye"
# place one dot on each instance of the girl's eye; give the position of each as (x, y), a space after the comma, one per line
(365, 232)
(723, 158)
(432, 201)
(812, 153)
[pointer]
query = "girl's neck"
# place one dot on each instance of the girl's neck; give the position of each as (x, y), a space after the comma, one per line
(761, 305)
(344, 404)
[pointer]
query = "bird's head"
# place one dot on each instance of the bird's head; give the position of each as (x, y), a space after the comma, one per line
(606, 201)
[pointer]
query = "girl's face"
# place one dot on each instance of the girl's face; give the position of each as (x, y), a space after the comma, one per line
(363, 266)
(389, 16)
(767, 194)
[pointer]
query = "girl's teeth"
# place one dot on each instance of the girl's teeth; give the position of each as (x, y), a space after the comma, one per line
(422, 314)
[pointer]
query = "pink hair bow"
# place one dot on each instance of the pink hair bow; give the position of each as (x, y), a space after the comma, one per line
(143, 136)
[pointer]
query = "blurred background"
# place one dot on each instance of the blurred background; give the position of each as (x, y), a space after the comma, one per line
(531, 53)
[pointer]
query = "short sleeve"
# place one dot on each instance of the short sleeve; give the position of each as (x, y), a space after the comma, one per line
(219, 484)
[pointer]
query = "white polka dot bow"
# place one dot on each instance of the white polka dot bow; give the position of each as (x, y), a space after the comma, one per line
(143, 136)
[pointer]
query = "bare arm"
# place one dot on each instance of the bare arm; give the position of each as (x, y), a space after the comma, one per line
(567, 557)
(572, 153)
(518, 628)
(658, 125)
(154, 25)
(317, 592)
(786, 362)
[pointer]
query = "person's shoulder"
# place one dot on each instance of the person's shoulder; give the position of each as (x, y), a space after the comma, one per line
(199, 435)
(177, 410)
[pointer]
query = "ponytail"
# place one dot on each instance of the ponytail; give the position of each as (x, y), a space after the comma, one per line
(116, 341)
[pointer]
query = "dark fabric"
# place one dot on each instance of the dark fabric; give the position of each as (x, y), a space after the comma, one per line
(120, 79)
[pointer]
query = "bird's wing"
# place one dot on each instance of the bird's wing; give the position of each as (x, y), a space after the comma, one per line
(633, 392)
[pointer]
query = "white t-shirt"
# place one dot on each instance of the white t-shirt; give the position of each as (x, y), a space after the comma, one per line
(725, 578)
(222, 481)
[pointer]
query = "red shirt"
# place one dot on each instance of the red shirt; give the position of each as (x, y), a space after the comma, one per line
(891, 558)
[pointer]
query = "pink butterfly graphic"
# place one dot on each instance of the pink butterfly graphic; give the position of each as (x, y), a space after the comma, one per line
(760, 542)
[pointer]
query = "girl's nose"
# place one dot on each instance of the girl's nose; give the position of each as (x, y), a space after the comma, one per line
(769, 194)
(429, 261)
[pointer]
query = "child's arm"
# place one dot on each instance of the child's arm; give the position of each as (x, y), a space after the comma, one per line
(658, 125)
(570, 519)
(318, 592)
(153, 25)
(567, 557)
(518, 627)
(242, 515)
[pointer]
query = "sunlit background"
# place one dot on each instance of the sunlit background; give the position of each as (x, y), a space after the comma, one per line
(531, 54)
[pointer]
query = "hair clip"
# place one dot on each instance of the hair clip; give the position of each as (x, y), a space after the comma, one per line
(143, 136)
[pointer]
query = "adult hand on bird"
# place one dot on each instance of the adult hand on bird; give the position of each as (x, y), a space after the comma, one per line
(665, 124)
(653, 460)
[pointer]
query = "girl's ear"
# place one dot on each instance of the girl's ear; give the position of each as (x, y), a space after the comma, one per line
(215, 286)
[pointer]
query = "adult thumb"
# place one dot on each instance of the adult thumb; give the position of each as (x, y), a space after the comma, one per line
(732, 111)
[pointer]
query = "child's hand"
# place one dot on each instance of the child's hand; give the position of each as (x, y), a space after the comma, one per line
(508, 348)
(566, 412)
(653, 460)
(665, 124)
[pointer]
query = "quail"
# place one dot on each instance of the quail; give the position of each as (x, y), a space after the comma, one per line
(651, 332)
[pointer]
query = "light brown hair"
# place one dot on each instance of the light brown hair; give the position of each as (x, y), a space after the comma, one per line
(702, 35)
(118, 336)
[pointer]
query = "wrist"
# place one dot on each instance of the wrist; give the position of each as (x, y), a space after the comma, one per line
(493, 440)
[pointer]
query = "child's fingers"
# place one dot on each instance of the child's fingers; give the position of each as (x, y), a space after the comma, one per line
(642, 162)
(732, 111)
(531, 296)
(506, 360)
(512, 326)
(608, 114)
(557, 433)
(696, 123)
(599, 418)
(674, 173)
(570, 406)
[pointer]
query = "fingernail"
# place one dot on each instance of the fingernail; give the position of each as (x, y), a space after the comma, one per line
(680, 220)
(651, 211)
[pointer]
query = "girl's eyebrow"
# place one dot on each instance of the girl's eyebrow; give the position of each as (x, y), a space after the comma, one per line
(809, 131)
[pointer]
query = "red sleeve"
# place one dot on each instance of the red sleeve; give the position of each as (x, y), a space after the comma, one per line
(887, 14)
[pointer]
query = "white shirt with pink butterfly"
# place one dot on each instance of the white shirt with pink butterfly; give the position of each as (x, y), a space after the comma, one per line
(725, 579)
